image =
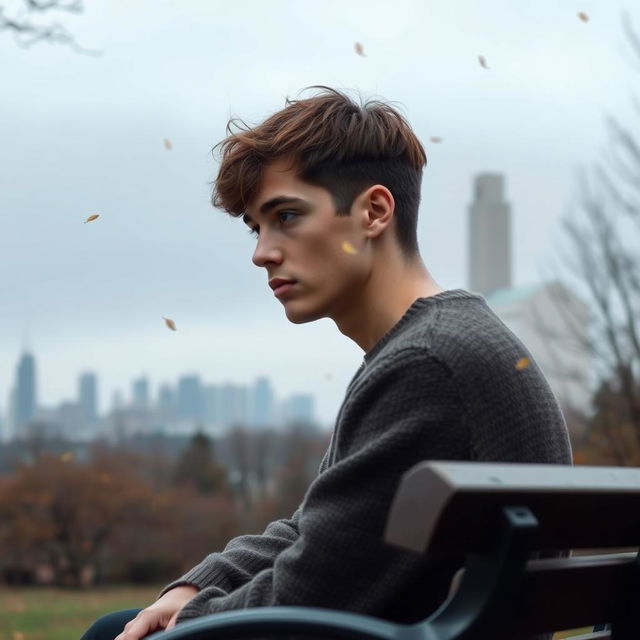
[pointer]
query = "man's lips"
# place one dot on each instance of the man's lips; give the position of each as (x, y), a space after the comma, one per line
(280, 285)
(276, 283)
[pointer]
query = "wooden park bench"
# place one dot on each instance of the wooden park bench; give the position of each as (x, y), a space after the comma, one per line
(499, 516)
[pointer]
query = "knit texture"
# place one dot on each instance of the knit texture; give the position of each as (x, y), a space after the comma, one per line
(442, 384)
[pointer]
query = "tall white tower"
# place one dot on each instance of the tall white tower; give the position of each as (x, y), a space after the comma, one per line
(489, 235)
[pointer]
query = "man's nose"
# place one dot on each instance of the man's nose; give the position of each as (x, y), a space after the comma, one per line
(266, 251)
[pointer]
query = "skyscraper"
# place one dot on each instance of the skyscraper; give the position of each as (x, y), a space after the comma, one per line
(189, 404)
(262, 402)
(299, 408)
(88, 396)
(489, 236)
(140, 392)
(25, 393)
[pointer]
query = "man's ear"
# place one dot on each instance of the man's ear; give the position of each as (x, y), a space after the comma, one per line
(375, 207)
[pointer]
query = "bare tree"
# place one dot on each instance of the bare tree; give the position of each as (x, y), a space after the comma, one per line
(28, 31)
(603, 258)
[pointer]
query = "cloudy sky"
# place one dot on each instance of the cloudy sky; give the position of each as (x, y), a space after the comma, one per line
(83, 134)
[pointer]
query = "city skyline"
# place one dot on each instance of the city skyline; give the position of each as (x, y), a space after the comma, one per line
(190, 402)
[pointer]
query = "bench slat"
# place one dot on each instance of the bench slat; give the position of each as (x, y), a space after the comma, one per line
(450, 507)
(560, 591)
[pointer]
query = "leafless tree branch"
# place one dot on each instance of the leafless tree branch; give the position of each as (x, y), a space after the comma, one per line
(27, 33)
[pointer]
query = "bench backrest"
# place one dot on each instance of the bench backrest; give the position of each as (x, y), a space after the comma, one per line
(459, 508)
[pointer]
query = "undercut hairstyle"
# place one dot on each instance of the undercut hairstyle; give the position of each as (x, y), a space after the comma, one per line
(333, 143)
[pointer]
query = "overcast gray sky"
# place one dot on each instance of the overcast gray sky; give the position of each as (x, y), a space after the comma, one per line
(82, 135)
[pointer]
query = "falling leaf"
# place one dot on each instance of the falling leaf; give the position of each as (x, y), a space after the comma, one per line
(483, 61)
(93, 216)
(583, 16)
(167, 144)
(18, 635)
(170, 323)
(523, 363)
(67, 456)
(359, 49)
(435, 139)
(347, 247)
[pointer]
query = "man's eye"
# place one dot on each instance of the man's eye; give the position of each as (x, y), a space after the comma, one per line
(286, 213)
(255, 231)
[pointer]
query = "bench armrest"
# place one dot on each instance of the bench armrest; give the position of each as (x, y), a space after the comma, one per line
(263, 622)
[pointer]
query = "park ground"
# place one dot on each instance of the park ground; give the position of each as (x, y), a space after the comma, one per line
(62, 614)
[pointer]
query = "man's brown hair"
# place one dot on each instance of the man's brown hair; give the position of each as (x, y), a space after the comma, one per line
(333, 143)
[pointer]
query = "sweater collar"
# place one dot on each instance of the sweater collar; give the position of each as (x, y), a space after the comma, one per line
(416, 307)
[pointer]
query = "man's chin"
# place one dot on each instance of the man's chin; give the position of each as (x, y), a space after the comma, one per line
(296, 316)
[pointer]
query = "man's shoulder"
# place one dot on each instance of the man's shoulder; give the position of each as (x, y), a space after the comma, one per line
(453, 329)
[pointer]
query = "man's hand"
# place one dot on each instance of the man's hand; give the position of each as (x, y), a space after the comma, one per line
(161, 614)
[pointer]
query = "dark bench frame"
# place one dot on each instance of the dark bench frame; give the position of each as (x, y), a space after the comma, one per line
(497, 515)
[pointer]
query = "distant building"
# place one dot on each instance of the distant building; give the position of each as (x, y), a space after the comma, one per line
(299, 408)
(88, 397)
(140, 392)
(24, 396)
(167, 403)
(72, 421)
(552, 322)
(262, 403)
(489, 235)
(211, 409)
(189, 403)
(233, 405)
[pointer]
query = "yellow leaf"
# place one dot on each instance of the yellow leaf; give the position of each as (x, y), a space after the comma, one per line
(67, 456)
(93, 216)
(18, 635)
(167, 144)
(347, 247)
(483, 61)
(523, 363)
(359, 49)
(583, 16)
(435, 139)
(170, 323)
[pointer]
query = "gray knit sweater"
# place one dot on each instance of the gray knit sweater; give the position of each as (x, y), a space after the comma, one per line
(442, 384)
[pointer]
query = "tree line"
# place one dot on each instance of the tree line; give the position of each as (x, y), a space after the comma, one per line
(121, 515)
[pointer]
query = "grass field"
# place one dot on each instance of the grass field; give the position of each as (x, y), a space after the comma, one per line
(63, 614)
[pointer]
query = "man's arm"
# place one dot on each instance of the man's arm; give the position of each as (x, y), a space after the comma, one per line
(407, 412)
(242, 558)
(220, 573)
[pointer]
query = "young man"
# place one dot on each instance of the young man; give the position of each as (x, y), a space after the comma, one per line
(331, 191)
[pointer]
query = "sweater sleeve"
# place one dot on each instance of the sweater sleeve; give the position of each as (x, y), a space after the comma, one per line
(241, 559)
(406, 411)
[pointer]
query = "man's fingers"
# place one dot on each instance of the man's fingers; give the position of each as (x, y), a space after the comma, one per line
(172, 622)
(139, 627)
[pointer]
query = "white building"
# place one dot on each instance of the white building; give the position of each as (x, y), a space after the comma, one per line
(553, 323)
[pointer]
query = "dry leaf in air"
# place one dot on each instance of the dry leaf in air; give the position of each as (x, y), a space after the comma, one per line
(92, 217)
(583, 16)
(170, 323)
(435, 139)
(67, 456)
(483, 62)
(347, 247)
(167, 144)
(523, 363)
(18, 635)
(359, 49)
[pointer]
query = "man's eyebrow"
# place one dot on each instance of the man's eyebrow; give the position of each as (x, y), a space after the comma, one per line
(265, 207)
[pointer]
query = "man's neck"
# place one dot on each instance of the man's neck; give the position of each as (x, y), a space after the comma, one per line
(387, 298)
